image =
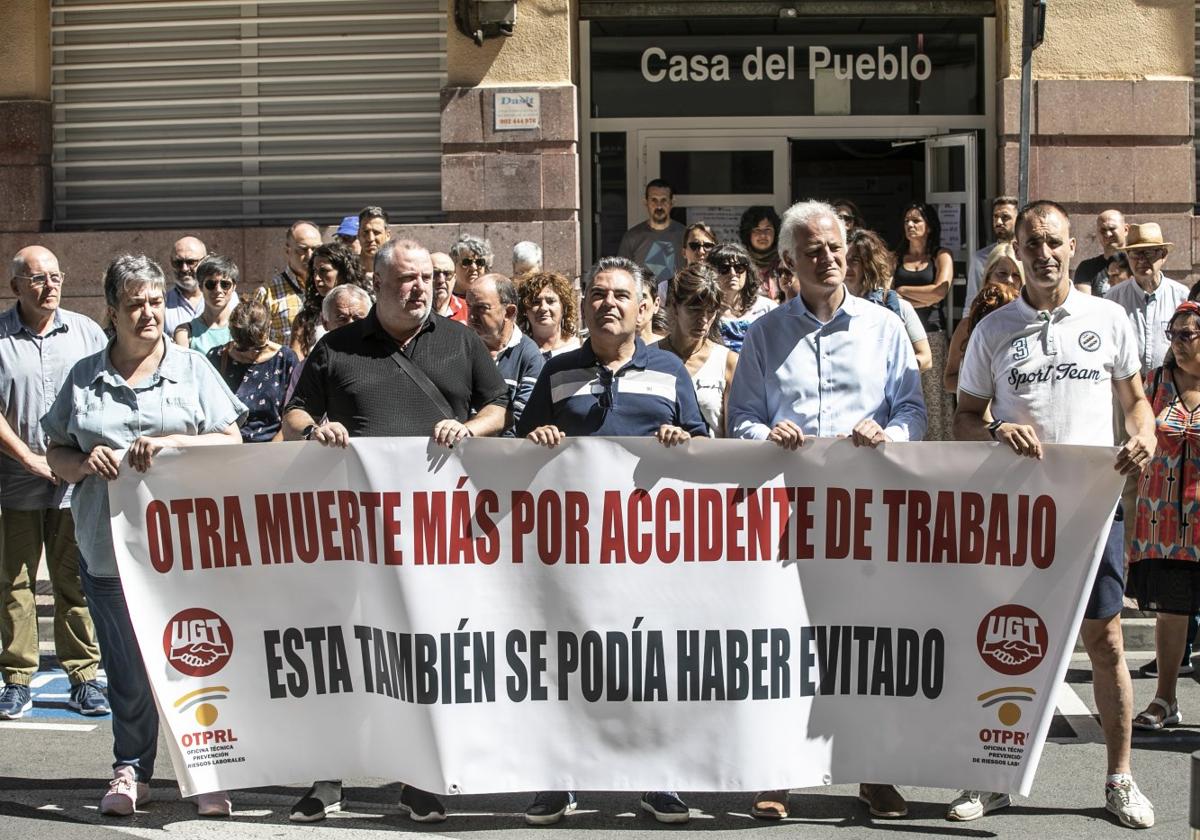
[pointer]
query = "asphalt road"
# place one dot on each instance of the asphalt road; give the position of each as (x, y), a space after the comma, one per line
(54, 766)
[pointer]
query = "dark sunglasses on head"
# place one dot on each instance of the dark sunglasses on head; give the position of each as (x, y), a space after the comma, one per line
(225, 285)
(696, 245)
(478, 263)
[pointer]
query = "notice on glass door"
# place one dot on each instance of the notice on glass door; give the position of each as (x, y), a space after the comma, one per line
(950, 216)
(722, 220)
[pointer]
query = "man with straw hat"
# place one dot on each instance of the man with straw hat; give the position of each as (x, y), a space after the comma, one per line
(1150, 300)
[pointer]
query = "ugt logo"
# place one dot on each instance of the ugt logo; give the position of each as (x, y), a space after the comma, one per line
(1012, 639)
(197, 642)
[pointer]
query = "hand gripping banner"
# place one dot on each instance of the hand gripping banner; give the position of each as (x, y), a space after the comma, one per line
(611, 614)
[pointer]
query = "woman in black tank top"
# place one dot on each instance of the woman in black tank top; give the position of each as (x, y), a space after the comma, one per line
(924, 272)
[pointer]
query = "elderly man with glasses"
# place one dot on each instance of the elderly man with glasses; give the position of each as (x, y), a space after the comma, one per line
(39, 344)
(445, 302)
(1151, 299)
(184, 300)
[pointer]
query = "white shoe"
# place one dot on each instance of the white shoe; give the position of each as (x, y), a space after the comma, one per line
(1128, 803)
(973, 804)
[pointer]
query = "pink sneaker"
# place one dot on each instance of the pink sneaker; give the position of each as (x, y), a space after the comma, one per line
(215, 804)
(124, 794)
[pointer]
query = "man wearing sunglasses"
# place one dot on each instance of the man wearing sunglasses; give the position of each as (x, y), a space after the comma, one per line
(1151, 299)
(39, 344)
(185, 301)
(656, 243)
(445, 302)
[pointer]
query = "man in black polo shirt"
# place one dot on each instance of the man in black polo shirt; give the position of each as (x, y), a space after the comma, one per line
(355, 385)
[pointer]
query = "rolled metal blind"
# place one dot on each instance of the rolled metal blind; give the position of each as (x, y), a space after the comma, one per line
(228, 113)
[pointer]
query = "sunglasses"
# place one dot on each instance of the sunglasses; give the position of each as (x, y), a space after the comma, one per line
(478, 263)
(180, 262)
(443, 272)
(1148, 254)
(731, 267)
(1183, 335)
(212, 285)
(846, 218)
(696, 245)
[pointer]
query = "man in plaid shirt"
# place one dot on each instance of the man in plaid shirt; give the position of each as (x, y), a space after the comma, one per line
(283, 294)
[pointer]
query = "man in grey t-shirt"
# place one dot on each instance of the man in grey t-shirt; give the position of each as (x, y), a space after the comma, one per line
(656, 243)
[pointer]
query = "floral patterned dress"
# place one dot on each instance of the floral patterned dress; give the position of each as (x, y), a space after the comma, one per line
(1167, 516)
(261, 387)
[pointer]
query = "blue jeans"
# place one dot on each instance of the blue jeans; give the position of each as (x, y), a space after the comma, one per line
(134, 717)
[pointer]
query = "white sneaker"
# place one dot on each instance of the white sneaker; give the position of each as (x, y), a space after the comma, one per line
(124, 794)
(1128, 803)
(973, 804)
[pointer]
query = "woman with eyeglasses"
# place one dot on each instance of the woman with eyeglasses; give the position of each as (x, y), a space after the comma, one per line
(329, 266)
(869, 266)
(140, 394)
(256, 369)
(1164, 554)
(923, 275)
(1003, 279)
(694, 304)
(550, 313)
(472, 257)
(759, 230)
(218, 279)
(741, 303)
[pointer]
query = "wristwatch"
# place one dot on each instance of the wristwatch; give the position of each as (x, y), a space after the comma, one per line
(993, 427)
(308, 431)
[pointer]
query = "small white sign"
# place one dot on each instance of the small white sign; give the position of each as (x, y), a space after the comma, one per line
(723, 220)
(950, 215)
(518, 111)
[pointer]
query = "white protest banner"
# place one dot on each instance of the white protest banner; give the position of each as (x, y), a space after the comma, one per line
(612, 614)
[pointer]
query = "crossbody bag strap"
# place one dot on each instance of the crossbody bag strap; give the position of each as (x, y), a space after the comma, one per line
(424, 383)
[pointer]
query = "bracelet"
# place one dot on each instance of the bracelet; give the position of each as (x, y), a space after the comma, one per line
(994, 427)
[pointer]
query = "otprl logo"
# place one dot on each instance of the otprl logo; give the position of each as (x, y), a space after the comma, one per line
(1012, 639)
(197, 642)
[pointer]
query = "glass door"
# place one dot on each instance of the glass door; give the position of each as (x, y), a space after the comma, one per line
(715, 178)
(951, 187)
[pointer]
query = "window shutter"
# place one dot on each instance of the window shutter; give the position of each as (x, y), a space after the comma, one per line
(225, 113)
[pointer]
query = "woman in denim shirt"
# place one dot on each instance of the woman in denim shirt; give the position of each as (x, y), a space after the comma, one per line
(142, 393)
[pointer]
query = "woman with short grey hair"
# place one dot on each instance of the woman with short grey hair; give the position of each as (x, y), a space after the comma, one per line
(142, 393)
(472, 257)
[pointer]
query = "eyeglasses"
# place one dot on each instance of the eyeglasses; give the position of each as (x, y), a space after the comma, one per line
(442, 272)
(478, 263)
(696, 245)
(225, 285)
(1148, 254)
(39, 281)
(180, 262)
(1185, 336)
(730, 267)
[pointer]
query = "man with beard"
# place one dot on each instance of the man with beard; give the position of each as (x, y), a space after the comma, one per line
(184, 300)
(1004, 214)
(656, 243)
(373, 231)
(355, 385)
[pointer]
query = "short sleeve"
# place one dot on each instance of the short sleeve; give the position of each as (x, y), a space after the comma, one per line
(975, 374)
(56, 422)
(218, 406)
(309, 394)
(1125, 360)
(912, 322)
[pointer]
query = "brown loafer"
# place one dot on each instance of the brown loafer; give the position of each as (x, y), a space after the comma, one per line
(884, 801)
(770, 805)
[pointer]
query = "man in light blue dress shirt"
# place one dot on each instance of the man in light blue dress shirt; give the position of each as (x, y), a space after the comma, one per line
(826, 364)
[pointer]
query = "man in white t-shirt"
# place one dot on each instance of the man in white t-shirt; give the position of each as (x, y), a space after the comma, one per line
(1048, 364)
